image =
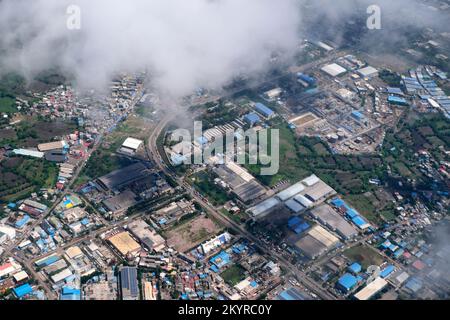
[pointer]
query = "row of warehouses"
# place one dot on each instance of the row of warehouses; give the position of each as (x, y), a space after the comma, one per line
(298, 197)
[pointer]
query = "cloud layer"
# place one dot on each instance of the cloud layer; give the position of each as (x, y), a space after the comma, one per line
(184, 44)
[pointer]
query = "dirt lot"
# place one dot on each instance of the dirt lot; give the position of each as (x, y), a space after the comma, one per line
(192, 233)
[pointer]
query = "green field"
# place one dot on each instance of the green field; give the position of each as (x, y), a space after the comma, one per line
(204, 182)
(7, 105)
(364, 255)
(233, 275)
(21, 176)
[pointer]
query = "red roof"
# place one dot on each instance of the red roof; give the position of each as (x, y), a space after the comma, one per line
(6, 266)
(419, 265)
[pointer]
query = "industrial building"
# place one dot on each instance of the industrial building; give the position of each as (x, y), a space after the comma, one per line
(215, 242)
(7, 233)
(397, 101)
(330, 218)
(264, 110)
(129, 289)
(124, 244)
(334, 70)
(264, 208)
(294, 206)
(252, 119)
(291, 191)
(121, 178)
(291, 294)
(319, 191)
(316, 242)
(23, 290)
(347, 282)
(132, 144)
(149, 238)
(57, 145)
(240, 181)
(28, 153)
(120, 203)
(273, 94)
(367, 72)
(298, 225)
(371, 289)
(305, 202)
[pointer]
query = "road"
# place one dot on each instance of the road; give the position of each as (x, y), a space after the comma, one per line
(153, 153)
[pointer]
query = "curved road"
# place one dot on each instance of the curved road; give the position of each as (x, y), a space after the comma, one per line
(289, 267)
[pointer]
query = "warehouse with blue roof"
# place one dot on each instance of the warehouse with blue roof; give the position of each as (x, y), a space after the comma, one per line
(219, 260)
(398, 101)
(22, 290)
(347, 282)
(264, 110)
(355, 268)
(291, 294)
(22, 222)
(252, 119)
(386, 272)
(68, 293)
(298, 225)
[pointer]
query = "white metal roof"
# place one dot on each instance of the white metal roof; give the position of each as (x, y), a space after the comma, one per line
(311, 180)
(132, 143)
(29, 153)
(291, 191)
(264, 206)
(367, 71)
(371, 289)
(334, 69)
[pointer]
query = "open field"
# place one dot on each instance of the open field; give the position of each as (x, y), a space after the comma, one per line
(191, 233)
(233, 275)
(31, 131)
(21, 176)
(364, 255)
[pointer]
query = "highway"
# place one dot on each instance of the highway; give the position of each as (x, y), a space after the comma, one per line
(227, 222)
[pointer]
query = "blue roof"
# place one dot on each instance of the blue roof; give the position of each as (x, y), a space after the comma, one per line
(395, 99)
(70, 290)
(348, 281)
(214, 268)
(399, 252)
(69, 293)
(220, 259)
(306, 78)
(414, 284)
(359, 221)
(294, 221)
(254, 284)
(394, 90)
(355, 268)
(387, 271)
(252, 118)
(301, 227)
(23, 290)
(20, 223)
(11, 205)
(85, 221)
(291, 294)
(352, 213)
(358, 115)
(337, 202)
(261, 108)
